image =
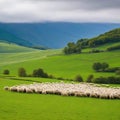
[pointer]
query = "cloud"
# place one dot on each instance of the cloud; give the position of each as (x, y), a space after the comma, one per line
(60, 11)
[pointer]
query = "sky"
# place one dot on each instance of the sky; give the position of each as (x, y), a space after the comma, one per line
(80, 11)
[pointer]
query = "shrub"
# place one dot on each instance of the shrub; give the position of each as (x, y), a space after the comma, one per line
(101, 80)
(117, 47)
(104, 66)
(60, 78)
(29, 75)
(114, 69)
(96, 51)
(45, 75)
(100, 66)
(78, 78)
(39, 73)
(90, 78)
(97, 66)
(22, 72)
(51, 76)
(111, 80)
(107, 80)
(6, 72)
(117, 80)
(118, 72)
(72, 48)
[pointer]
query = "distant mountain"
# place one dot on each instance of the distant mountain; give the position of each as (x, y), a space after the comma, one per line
(51, 35)
(11, 38)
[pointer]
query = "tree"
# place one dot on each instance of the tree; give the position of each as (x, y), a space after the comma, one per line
(65, 50)
(79, 78)
(97, 66)
(118, 72)
(105, 66)
(22, 72)
(72, 48)
(78, 48)
(40, 73)
(6, 72)
(90, 78)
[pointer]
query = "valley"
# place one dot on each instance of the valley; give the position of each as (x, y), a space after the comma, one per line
(53, 61)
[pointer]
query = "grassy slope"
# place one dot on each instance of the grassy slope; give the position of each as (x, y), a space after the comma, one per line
(6, 59)
(18, 106)
(13, 48)
(103, 47)
(63, 66)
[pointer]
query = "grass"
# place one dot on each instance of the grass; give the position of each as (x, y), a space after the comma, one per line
(13, 48)
(64, 66)
(18, 106)
(103, 47)
(11, 58)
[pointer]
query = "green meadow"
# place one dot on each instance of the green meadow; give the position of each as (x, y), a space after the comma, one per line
(21, 106)
(103, 47)
(13, 48)
(18, 106)
(66, 66)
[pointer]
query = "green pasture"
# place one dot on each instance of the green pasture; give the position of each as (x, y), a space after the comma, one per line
(66, 66)
(103, 47)
(20, 106)
(13, 48)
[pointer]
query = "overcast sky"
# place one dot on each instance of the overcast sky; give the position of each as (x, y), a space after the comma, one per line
(107, 11)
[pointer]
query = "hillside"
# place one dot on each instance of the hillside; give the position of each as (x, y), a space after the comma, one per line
(7, 58)
(13, 48)
(52, 35)
(66, 66)
(108, 41)
(110, 37)
(11, 38)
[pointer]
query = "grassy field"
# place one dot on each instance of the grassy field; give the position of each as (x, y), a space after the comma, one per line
(18, 106)
(13, 48)
(12, 58)
(61, 65)
(103, 47)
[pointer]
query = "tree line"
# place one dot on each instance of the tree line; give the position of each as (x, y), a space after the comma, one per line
(72, 48)
(98, 67)
(104, 67)
(109, 37)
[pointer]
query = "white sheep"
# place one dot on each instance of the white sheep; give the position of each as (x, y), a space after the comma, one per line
(69, 89)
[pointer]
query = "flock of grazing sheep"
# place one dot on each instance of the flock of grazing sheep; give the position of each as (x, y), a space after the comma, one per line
(68, 89)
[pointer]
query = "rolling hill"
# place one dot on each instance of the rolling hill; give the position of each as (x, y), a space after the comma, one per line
(63, 66)
(52, 35)
(35, 106)
(11, 38)
(112, 36)
(6, 47)
(102, 42)
(66, 66)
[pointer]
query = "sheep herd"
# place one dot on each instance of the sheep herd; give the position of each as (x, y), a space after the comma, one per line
(68, 89)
